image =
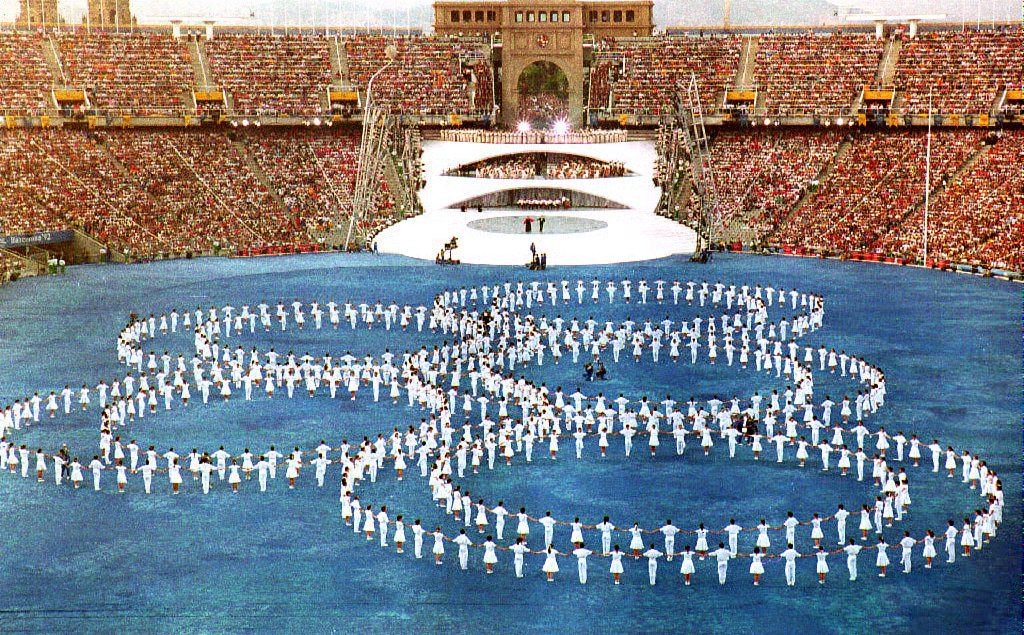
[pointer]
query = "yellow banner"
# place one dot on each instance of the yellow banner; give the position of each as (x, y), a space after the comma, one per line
(44, 121)
(69, 95)
(862, 119)
(740, 95)
(983, 121)
(344, 95)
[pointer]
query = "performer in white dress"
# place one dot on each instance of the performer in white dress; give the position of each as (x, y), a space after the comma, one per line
(550, 566)
(616, 565)
(756, 567)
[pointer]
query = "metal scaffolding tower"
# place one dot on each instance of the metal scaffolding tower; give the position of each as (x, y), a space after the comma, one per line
(379, 124)
(690, 116)
(378, 127)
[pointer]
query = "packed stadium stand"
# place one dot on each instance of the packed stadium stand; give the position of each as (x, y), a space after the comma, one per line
(964, 72)
(67, 181)
(160, 190)
(977, 218)
(143, 73)
(150, 192)
(763, 173)
(644, 75)
(428, 76)
(815, 74)
(26, 78)
(314, 172)
(873, 186)
(272, 74)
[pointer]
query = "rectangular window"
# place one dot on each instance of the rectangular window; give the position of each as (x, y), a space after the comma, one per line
(565, 16)
(542, 16)
(455, 16)
(479, 16)
(529, 16)
(554, 16)
(593, 16)
(604, 16)
(491, 16)
(630, 15)
(467, 16)
(519, 16)
(617, 17)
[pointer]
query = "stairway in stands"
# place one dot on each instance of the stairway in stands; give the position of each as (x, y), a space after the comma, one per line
(400, 188)
(887, 66)
(49, 48)
(205, 80)
(113, 158)
(886, 73)
(243, 151)
(938, 189)
(52, 58)
(748, 60)
(339, 63)
(200, 67)
(822, 176)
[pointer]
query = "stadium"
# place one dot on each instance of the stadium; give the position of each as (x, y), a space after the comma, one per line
(541, 317)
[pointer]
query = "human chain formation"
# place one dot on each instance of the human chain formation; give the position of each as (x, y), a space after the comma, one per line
(492, 332)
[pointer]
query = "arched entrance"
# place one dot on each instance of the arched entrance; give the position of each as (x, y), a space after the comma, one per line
(543, 90)
(541, 74)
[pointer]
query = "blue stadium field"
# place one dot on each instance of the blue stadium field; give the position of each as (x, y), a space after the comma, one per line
(283, 561)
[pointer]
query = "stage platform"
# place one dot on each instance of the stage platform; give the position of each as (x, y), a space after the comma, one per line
(571, 237)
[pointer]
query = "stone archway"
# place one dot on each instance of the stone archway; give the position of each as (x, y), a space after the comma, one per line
(513, 68)
(543, 90)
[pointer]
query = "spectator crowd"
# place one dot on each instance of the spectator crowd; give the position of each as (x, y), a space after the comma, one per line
(814, 74)
(155, 192)
(760, 175)
(26, 78)
(963, 71)
(977, 218)
(428, 75)
(265, 72)
(141, 72)
(876, 183)
(644, 76)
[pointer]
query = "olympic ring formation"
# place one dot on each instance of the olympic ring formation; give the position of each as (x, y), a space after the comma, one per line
(495, 330)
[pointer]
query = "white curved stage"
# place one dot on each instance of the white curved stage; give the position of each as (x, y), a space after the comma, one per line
(631, 234)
